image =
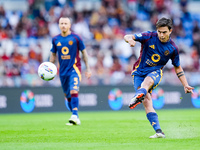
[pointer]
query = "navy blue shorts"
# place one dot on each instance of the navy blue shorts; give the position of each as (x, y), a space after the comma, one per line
(69, 83)
(155, 75)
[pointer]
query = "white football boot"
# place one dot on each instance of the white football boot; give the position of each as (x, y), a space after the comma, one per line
(69, 124)
(74, 120)
(137, 99)
(157, 135)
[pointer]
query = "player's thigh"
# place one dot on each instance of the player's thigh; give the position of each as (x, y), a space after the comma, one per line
(157, 77)
(65, 85)
(74, 82)
(137, 81)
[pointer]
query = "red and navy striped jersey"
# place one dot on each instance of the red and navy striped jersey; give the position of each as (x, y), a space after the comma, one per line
(68, 49)
(154, 54)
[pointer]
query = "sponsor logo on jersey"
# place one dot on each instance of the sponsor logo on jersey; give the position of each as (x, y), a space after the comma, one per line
(155, 57)
(152, 46)
(150, 63)
(59, 44)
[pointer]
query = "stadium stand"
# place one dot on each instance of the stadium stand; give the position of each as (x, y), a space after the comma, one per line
(26, 32)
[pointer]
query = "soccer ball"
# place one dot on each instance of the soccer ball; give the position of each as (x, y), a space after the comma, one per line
(47, 71)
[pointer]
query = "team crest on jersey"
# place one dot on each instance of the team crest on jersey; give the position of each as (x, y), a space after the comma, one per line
(152, 46)
(70, 42)
(166, 52)
(59, 44)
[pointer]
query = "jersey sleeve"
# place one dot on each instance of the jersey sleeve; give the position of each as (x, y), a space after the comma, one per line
(81, 45)
(53, 46)
(175, 58)
(142, 37)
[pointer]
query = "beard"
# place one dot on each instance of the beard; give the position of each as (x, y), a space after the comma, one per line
(164, 39)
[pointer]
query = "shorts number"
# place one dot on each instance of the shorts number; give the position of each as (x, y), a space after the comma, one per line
(75, 83)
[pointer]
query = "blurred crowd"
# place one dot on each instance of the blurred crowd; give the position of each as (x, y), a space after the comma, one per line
(25, 38)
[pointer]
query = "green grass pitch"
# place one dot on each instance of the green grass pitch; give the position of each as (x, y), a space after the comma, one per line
(106, 130)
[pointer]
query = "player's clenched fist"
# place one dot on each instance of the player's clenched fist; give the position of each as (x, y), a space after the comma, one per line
(130, 39)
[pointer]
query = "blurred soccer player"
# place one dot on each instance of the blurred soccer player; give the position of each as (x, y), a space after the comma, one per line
(156, 49)
(67, 45)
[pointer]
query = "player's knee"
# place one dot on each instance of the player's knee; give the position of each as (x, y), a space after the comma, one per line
(147, 83)
(73, 92)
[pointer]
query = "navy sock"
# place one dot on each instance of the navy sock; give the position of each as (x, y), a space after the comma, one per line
(69, 104)
(141, 90)
(153, 119)
(74, 103)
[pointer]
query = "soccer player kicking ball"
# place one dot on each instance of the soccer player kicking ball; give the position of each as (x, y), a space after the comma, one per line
(67, 45)
(156, 49)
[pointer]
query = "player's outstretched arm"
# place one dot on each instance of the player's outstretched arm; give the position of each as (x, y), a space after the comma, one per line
(85, 59)
(53, 58)
(180, 73)
(130, 39)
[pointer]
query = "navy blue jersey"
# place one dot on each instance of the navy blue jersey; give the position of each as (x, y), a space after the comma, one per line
(68, 49)
(154, 54)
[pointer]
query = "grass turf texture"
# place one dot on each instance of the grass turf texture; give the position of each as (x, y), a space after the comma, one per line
(117, 130)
